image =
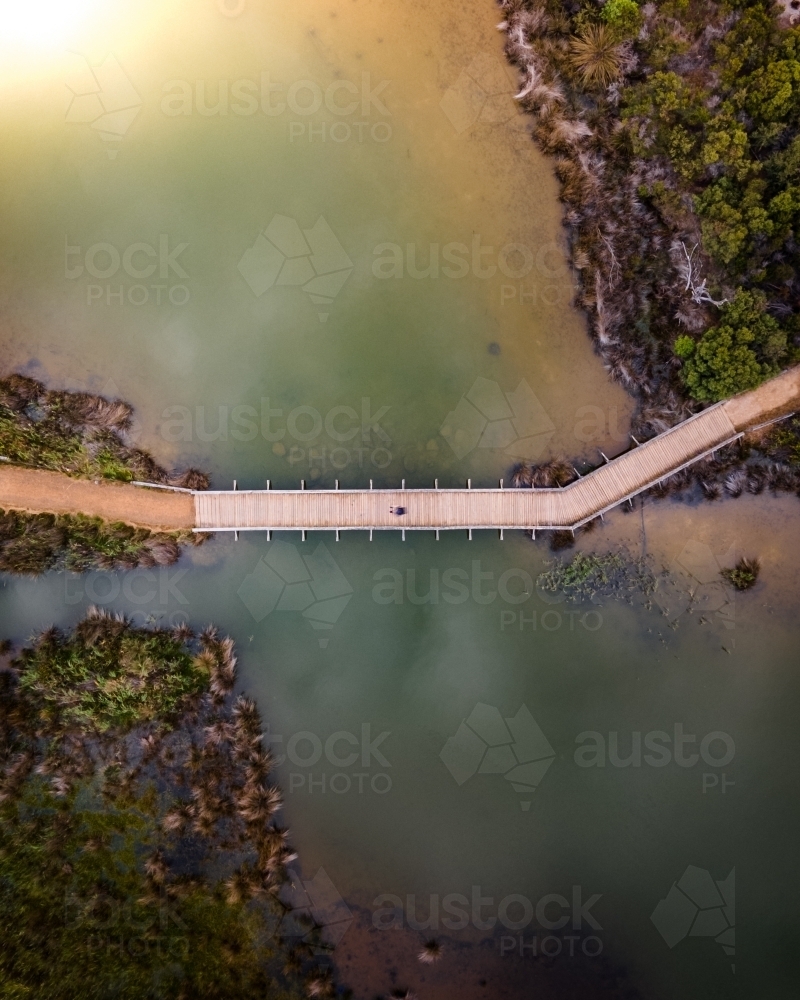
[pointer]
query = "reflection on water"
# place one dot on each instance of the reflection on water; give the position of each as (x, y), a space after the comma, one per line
(317, 243)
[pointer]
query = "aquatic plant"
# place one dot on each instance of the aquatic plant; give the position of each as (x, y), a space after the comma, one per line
(106, 675)
(744, 574)
(592, 576)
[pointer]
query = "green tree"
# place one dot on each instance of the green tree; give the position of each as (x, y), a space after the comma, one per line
(737, 355)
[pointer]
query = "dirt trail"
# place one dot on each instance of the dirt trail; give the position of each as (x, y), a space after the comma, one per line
(38, 490)
(775, 398)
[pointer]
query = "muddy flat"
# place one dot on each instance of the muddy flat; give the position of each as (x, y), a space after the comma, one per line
(42, 491)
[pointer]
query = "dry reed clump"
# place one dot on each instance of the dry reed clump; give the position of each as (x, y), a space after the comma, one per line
(85, 410)
(549, 475)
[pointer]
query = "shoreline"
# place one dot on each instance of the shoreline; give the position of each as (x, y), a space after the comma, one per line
(629, 213)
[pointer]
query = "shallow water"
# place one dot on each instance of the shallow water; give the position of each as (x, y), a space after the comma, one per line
(398, 381)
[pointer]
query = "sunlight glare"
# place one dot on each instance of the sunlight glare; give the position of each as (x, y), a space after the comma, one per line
(41, 23)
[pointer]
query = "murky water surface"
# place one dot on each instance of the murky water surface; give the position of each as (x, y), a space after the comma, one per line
(317, 243)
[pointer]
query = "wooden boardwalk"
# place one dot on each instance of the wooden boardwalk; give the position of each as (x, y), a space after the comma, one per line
(447, 509)
(39, 490)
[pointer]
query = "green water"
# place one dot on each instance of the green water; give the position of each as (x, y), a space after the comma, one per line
(425, 631)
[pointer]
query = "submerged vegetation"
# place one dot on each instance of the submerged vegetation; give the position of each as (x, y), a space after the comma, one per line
(685, 591)
(676, 131)
(744, 574)
(80, 435)
(591, 576)
(140, 854)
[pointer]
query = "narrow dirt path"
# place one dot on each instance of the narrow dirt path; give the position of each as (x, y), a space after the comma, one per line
(41, 491)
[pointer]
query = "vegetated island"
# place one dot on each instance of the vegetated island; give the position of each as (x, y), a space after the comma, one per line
(675, 132)
(83, 436)
(140, 853)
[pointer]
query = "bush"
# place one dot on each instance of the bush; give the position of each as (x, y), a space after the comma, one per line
(624, 16)
(107, 675)
(737, 355)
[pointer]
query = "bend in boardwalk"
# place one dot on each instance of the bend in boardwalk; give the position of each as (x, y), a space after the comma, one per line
(569, 507)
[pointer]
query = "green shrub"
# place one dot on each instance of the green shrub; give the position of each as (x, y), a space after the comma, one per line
(744, 574)
(624, 16)
(737, 355)
(107, 675)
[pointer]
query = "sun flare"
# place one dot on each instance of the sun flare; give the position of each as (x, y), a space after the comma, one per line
(41, 23)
